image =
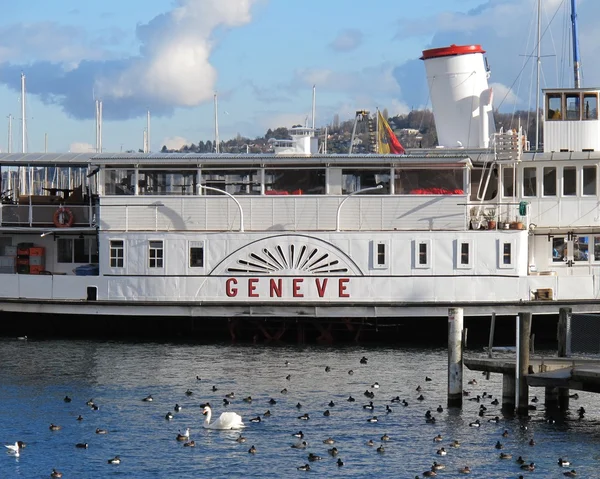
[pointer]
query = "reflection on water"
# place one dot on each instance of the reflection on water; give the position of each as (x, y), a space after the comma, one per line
(36, 376)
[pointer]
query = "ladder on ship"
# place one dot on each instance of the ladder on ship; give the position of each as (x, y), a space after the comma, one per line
(363, 121)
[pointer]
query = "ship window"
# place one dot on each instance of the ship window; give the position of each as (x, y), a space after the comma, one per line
(572, 101)
(423, 254)
(167, 182)
(549, 181)
(75, 250)
(559, 250)
(295, 182)
(554, 106)
(235, 182)
(569, 181)
(381, 254)
(590, 106)
(155, 254)
(429, 181)
(596, 248)
(119, 182)
(589, 180)
(196, 254)
(507, 181)
(581, 249)
(506, 254)
(464, 251)
(354, 180)
(117, 253)
(529, 182)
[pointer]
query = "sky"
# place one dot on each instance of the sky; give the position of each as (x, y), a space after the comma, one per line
(262, 58)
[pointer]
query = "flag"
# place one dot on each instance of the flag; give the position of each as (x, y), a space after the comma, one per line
(387, 142)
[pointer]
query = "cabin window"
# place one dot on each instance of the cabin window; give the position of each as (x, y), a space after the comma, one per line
(581, 251)
(507, 182)
(569, 181)
(429, 181)
(295, 182)
(464, 251)
(554, 106)
(119, 182)
(354, 180)
(196, 254)
(590, 106)
(559, 250)
(155, 254)
(167, 182)
(76, 250)
(529, 182)
(423, 254)
(589, 180)
(549, 181)
(117, 253)
(380, 254)
(506, 253)
(234, 182)
(596, 248)
(572, 102)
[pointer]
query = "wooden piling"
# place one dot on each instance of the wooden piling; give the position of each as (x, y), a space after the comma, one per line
(455, 357)
(564, 350)
(508, 393)
(524, 344)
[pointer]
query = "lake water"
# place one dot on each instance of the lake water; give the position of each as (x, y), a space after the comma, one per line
(35, 376)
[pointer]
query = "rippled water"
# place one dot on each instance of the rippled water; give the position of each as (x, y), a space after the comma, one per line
(35, 376)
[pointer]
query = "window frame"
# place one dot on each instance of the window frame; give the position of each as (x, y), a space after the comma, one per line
(158, 258)
(196, 245)
(460, 254)
(595, 182)
(418, 254)
(502, 243)
(112, 257)
(376, 254)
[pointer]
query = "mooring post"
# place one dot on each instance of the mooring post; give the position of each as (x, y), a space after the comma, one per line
(564, 350)
(524, 335)
(455, 357)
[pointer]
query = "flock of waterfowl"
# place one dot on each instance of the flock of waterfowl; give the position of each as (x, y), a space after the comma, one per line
(374, 406)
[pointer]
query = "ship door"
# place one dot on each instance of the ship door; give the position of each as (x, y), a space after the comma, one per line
(562, 250)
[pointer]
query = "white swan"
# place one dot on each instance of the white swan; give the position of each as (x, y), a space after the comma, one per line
(227, 420)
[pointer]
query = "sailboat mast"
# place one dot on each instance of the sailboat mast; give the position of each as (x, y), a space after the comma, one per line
(217, 149)
(10, 133)
(314, 105)
(539, 64)
(23, 120)
(576, 62)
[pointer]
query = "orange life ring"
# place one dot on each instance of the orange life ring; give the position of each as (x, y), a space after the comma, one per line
(63, 218)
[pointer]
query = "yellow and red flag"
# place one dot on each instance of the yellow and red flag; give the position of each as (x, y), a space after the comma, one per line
(387, 142)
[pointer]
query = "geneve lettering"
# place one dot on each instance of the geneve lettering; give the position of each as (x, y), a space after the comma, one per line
(288, 287)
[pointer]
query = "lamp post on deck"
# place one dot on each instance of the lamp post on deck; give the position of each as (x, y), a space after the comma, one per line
(337, 219)
(233, 198)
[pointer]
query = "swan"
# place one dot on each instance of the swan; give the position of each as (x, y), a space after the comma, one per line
(227, 420)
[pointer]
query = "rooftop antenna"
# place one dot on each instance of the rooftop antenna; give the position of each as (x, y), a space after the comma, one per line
(9, 147)
(216, 125)
(576, 62)
(314, 99)
(23, 118)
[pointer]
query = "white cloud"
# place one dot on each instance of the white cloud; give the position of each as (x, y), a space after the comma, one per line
(81, 147)
(174, 142)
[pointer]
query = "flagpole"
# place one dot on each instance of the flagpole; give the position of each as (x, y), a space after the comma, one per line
(377, 132)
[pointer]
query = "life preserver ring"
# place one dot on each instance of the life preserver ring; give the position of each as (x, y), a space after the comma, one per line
(63, 218)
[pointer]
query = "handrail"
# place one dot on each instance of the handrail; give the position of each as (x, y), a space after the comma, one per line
(233, 198)
(337, 219)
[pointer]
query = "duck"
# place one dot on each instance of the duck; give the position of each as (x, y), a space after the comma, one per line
(90, 402)
(101, 431)
(226, 402)
(327, 369)
(298, 434)
(437, 466)
(534, 399)
(333, 451)
(438, 438)
(421, 398)
(177, 408)
(198, 378)
(429, 473)
(528, 467)
(499, 445)
(574, 396)
(350, 372)
(372, 419)
(331, 404)
(381, 449)
(305, 467)
(505, 433)
(267, 413)
(563, 463)
(255, 419)
(350, 399)
(67, 399)
(304, 417)
(404, 402)
(441, 452)
(79, 418)
(505, 455)
(148, 398)
(531, 442)
(95, 407)
(54, 427)
(363, 360)
(248, 399)
(440, 408)
(427, 378)
(430, 420)
(298, 406)
(115, 460)
(299, 445)
(252, 450)
(227, 420)
(313, 457)
(284, 391)
(340, 463)
(385, 437)
(388, 409)
(81, 445)
(369, 406)
(215, 389)
(418, 388)
(184, 436)
(571, 473)
(472, 382)
(288, 377)
(240, 439)
(455, 444)
(475, 423)
(169, 416)
(495, 402)
(327, 413)
(494, 420)
(272, 402)
(465, 470)
(56, 473)
(375, 385)
(230, 395)
(370, 442)
(395, 399)
(189, 444)
(13, 449)
(520, 460)
(329, 440)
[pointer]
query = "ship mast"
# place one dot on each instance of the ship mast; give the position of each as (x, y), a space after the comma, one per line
(576, 62)
(23, 119)
(539, 64)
